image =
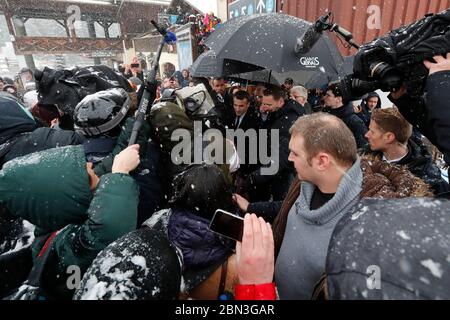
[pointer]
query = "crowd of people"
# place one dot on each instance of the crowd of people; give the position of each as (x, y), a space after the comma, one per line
(74, 195)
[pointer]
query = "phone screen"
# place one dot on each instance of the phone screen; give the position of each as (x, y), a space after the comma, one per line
(228, 225)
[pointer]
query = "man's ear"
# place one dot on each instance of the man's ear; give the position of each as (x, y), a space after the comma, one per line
(322, 161)
(390, 137)
(281, 103)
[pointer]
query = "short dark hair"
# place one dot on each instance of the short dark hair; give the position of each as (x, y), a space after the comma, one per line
(289, 81)
(218, 79)
(274, 91)
(335, 88)
(242, 95)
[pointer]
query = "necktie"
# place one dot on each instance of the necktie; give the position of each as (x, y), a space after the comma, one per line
(236, 125)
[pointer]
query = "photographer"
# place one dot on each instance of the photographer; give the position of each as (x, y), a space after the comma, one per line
(430, 113)
(134, 70)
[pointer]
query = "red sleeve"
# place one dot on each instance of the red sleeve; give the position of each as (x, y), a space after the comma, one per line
(255, 292)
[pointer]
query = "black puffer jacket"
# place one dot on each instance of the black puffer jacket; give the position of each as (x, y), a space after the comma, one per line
(355, 124)
(200, 246)
(420, 163)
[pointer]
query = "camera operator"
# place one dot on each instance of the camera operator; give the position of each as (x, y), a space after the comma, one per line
(430, 113)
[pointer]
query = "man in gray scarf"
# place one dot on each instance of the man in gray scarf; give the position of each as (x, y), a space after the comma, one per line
(323, 151)
(324, 154)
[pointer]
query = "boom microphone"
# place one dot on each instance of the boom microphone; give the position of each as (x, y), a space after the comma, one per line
(312, 35)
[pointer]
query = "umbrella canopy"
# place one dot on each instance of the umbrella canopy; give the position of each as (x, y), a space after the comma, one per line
(264, 76)
(322, 79)
(268, 76)
(391, 249)
(268, 41)
(209, 65)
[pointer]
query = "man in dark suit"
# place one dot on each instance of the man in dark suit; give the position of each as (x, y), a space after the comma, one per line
(245, 117)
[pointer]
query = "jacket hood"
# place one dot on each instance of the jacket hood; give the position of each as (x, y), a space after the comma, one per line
(49, 188)
(15, 118)
(200, 246)
(372, 95)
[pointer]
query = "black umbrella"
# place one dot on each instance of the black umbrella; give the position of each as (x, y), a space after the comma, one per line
(269, 40)
(391, 249)
(209, 65)
(322, 79)
(264, 76)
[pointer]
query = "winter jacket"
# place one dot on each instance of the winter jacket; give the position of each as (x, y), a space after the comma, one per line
(20, 134)
(147, 174)
(420, 163)
(276, 186)
(15, 118)
(355, 124)
(51, 190)
(191, 235)
(105, 165)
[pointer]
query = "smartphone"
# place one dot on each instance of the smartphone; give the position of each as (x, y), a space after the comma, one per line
(228, 225)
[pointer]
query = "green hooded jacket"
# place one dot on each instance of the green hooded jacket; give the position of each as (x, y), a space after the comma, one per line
(51, 190)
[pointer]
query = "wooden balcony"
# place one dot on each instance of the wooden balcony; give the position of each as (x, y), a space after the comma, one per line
(53, 45)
